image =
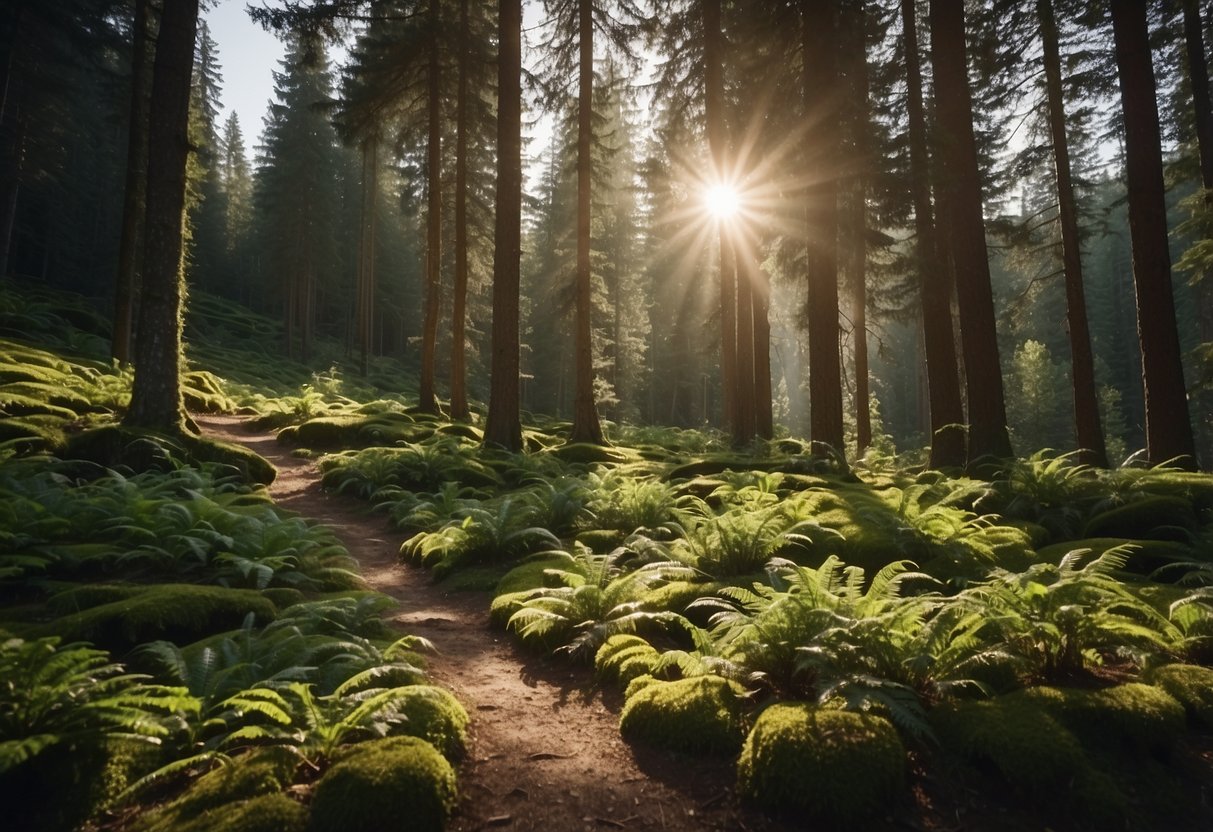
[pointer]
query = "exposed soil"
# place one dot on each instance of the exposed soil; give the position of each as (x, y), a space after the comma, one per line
(545, 749)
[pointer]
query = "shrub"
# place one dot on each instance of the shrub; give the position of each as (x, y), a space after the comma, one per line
(700, 714)
(402, 778)
(835, 767)
(625, 657)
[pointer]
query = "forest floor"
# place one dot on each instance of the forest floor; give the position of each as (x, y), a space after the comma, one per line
(545, 750)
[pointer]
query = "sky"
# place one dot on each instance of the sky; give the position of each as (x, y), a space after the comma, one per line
(248, 56)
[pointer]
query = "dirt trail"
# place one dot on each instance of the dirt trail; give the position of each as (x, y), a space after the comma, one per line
(545, 747)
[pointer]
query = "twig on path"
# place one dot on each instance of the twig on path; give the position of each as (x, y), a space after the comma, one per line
(712, 801)
(618, 824)
(548, 755)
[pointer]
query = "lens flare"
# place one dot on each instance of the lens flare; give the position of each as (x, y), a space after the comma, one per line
(722, 201)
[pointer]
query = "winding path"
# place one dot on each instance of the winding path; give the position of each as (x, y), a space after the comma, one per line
(545, 749)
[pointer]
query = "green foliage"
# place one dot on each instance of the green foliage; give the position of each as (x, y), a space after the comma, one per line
(400, 777)
(426, 467)
(492, 533)
(625, 502)
(1061, 619)
(700, 714)
(832, 767)
(73, 696)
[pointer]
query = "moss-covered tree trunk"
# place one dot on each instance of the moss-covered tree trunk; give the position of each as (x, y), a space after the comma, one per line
(502, 427)
(959, 181)
(156, 394)
(1168, 429)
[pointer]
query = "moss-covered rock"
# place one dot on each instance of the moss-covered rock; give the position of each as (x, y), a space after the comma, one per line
(1030, 749)
(1190, 685)
(1140, 716)
(601, 541)
(834, 767)
(116, 446)
(587, 453)
(180, 613)
(622, 658)
(700, 714)
(400, 779)
(86, 596)
(436, 716)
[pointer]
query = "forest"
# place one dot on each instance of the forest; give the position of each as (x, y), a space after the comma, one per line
(607, 414)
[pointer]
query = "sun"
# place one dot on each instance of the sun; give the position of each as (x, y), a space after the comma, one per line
(722, 201)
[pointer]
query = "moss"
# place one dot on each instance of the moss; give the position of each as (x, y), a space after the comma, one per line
(55, 394)
(15, 404)
(586, 453)
(622, 658)
(700, 714)
(1025, 745)
(283, 596)
(323, 432)
(252, 466)
(708, 467)
(208, 801)
(638, 684)
(1140, 716)
(836, 767)
(1192, 686)
(32, 435)
(401, 778)
(465, 431)
(436, 716)
(1157, 518)
(181, 613)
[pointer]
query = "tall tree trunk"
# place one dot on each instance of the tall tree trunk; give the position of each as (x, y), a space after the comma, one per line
(1168, 429)
(586, 427)
(745, 425)
(156, 393)
(821, 155)
(1082, 374)
(858, 220)
(459, 396)
(713, 111)
(12, 137)
(943, 385)
(366, 260)
(763, 415)
(502, 426)
(427, 400)
(959, 180)
(126, 286)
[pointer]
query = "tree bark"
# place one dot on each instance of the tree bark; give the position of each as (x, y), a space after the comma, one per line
(126, 286)
(459, 397)
(366, 260)
(1082, 374)
(858, 221)
(821, 155)
(1198, 73)
(745, 424)
(763, 415)
(427, 401)
(960, 185)
(586, 427)
(156, 393)
(713, 110)
(502, 427)
(1168, 429)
